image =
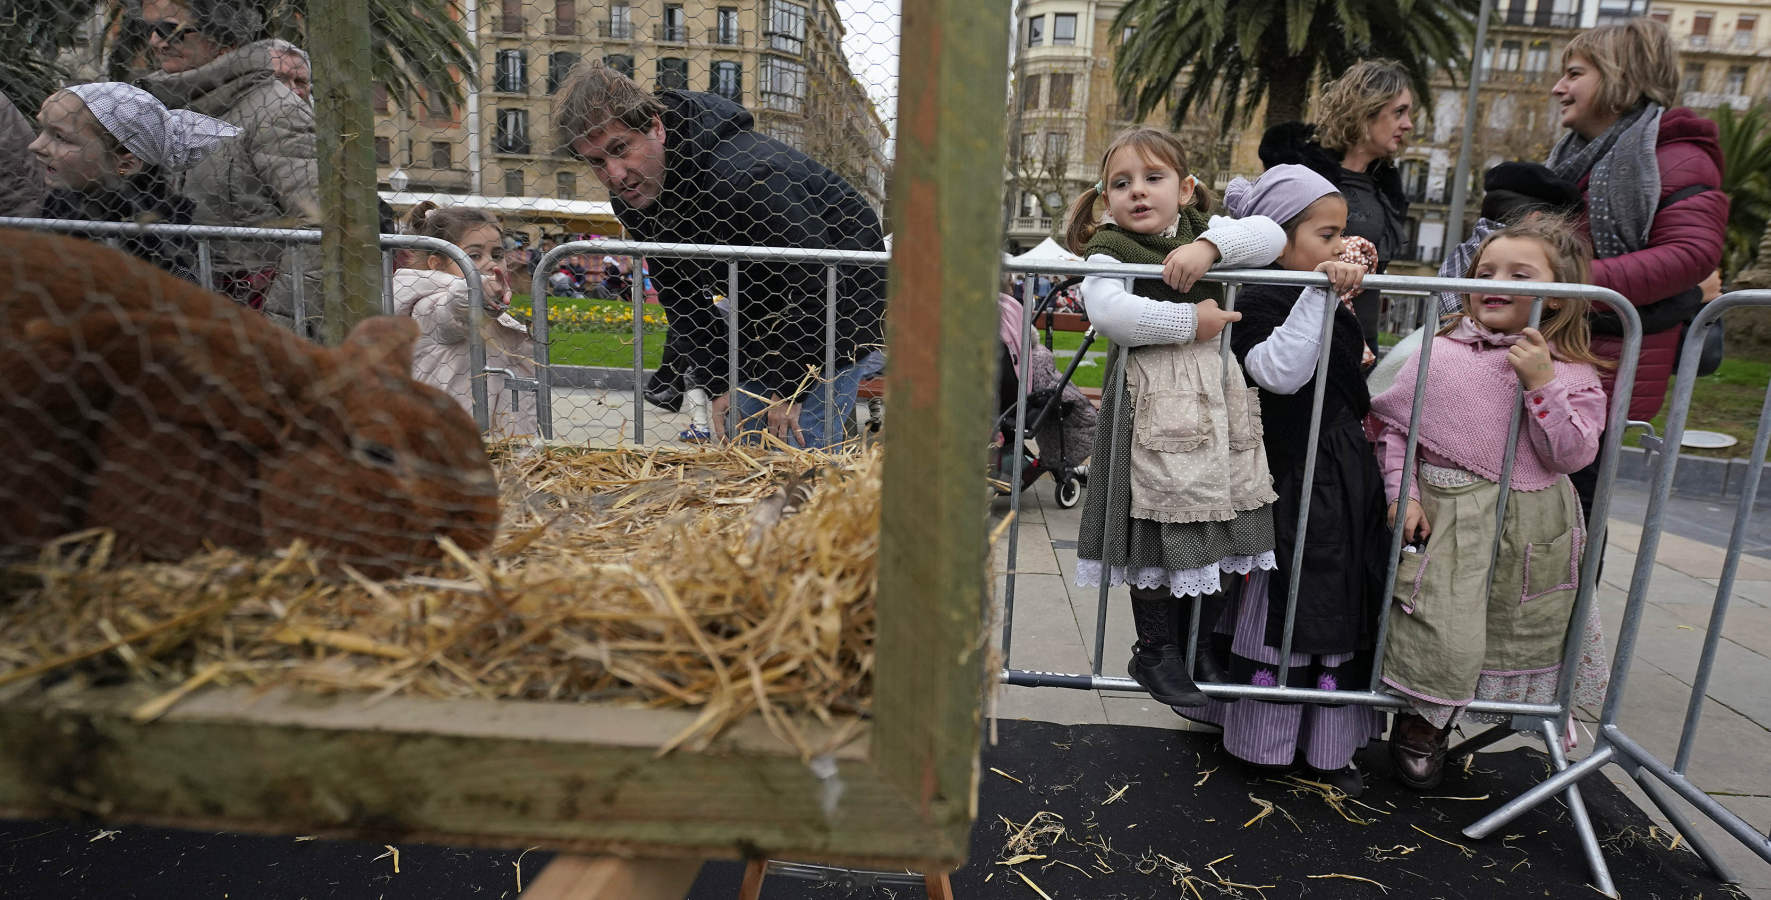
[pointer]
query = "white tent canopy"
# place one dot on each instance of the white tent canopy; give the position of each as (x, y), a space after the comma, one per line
(1047, 251)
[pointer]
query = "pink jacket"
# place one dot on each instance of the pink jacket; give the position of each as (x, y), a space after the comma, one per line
(1684, 247)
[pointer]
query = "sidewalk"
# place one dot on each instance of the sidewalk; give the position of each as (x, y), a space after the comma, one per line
(1054, 630)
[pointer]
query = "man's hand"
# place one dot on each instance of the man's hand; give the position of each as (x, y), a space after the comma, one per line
(1185, 264)
(1414, 522)
(784, 421)
(1531, 359)
(1210, 320)
(717, 413)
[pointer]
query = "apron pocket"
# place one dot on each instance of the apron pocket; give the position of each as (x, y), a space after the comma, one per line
(1549, 568)
(1411, 576)
(1172, 421)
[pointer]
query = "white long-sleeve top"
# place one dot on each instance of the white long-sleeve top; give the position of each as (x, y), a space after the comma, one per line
(1130, 320)
(1286, 360)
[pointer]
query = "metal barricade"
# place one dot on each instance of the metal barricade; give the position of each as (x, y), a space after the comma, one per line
(732, 256)
(1544, 719)
(1653, 774)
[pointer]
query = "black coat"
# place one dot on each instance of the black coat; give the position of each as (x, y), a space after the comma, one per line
(727, 184)
(143, 198)
(1377, 207)
(1340, 592)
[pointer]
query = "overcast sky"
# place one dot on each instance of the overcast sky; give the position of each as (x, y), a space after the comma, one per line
(872, 47)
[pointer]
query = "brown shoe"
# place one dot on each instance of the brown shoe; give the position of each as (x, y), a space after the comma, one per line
(1418, 751)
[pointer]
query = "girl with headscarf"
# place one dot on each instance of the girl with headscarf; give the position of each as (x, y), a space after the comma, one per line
(1340, 583)
(108, 150)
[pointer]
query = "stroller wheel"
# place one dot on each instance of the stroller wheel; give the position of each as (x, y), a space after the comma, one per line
(1069, 493)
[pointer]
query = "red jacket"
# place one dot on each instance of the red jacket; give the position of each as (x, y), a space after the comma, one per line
(1684, 247)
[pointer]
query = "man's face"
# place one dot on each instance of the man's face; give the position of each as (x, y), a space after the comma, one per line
(629, 162)
(292, 71)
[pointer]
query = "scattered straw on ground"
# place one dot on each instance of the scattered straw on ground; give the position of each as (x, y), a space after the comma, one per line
(733, 580)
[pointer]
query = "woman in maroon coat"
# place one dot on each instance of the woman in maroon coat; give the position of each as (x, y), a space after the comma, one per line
(1650, 175)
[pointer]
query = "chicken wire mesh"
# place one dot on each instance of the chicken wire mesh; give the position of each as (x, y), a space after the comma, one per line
(512, 129)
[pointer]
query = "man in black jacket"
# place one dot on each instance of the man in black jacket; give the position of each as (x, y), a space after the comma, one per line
(688, 167)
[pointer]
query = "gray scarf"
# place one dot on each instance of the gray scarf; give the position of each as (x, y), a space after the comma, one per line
(1625, 184)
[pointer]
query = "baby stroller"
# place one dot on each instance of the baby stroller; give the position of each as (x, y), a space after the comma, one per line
(1059, 419)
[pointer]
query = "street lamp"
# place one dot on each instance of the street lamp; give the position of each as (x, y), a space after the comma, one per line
(397, 179)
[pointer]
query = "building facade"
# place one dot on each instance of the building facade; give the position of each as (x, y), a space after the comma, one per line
(781, 59)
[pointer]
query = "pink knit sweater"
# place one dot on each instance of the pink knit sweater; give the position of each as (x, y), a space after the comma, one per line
(1469, 404)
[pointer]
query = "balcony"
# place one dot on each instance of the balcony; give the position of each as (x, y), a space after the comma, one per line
(1026, 224)
(443, 180)
(728, 37)
(614, 31)
(508, 24)
(671, 34)
(1709, 100)
(559, 27)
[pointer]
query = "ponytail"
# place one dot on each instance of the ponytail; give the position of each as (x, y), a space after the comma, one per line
(1203, 199)
(1080, 223)
(414, 222)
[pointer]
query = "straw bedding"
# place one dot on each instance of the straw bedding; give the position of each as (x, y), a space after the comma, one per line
(732, 580)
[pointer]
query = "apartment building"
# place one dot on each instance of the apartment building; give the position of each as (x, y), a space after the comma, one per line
(780, 59)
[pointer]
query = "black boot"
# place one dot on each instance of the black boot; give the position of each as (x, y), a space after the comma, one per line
(1158, 663)
(1417, 750)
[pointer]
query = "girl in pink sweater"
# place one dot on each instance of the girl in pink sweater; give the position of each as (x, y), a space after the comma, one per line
(1462, 629)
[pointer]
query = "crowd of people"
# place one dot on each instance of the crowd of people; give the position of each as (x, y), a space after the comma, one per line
(1198, 485)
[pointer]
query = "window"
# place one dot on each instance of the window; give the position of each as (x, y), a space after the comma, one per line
(790, 133)
(727, 30)
(728, 81)
(1700, 28)
(782, 84)
(513, 183)
(1510, 52)
(1060, 89)
(513, 72)
(1057, 148)
(620, 22)
(565, 17)
(565, 186)
(1126, 35)
(1663, 16)
(379, 98)
(1537, 59)
(1515, 14)
(785, 27)
(1743, 30)
(1063, 29)
(436, 105)
(559, 68)
(1736, 81)
(1693, 78)
(673, 74)
(512, 135)
(510, 17)
(675, 27)
(620, 62)
(384, 151)
(442, 155)
(1030, 207)
(1036, 31)
(1030, 97)
(1027, 147)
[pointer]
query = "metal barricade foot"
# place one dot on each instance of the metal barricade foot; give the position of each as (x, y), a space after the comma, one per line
(1546, 789)
(1476, 744)
(1684, 826)
(1577, 810)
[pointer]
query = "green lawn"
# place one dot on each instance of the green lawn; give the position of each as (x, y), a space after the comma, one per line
(1729, 402)
(602, 349)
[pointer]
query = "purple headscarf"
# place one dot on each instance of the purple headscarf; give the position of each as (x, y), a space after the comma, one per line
(1280, 194)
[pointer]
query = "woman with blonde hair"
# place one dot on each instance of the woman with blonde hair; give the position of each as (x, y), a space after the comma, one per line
(1358, 123)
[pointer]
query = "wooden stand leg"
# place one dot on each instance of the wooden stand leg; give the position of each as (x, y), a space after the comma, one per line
(607, 878)
(752, 888)
(938, 886)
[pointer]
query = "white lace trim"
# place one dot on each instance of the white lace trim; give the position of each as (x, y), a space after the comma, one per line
(1180, 582)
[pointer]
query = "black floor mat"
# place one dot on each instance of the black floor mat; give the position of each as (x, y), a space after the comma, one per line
(1166, 812)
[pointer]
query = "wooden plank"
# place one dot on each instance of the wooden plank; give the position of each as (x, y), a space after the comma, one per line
(606, 878)
(941, 327)
(754, 873)
(569, 777)
(350, 255)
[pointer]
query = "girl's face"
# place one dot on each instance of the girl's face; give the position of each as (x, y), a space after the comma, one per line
(1387, 132)
(1509, 259)
(484, 245)
(1317, 239)
(73, 148)
(1578, 95)
(1144, 195)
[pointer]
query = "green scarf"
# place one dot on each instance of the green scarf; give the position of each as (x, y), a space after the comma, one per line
(1152, 249)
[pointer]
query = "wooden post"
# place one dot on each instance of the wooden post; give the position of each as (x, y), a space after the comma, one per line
(350, 256)
(947, 224)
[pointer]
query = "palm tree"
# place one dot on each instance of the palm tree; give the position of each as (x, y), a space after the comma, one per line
(1230, 57)
(1746, 179)
(418, 47)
